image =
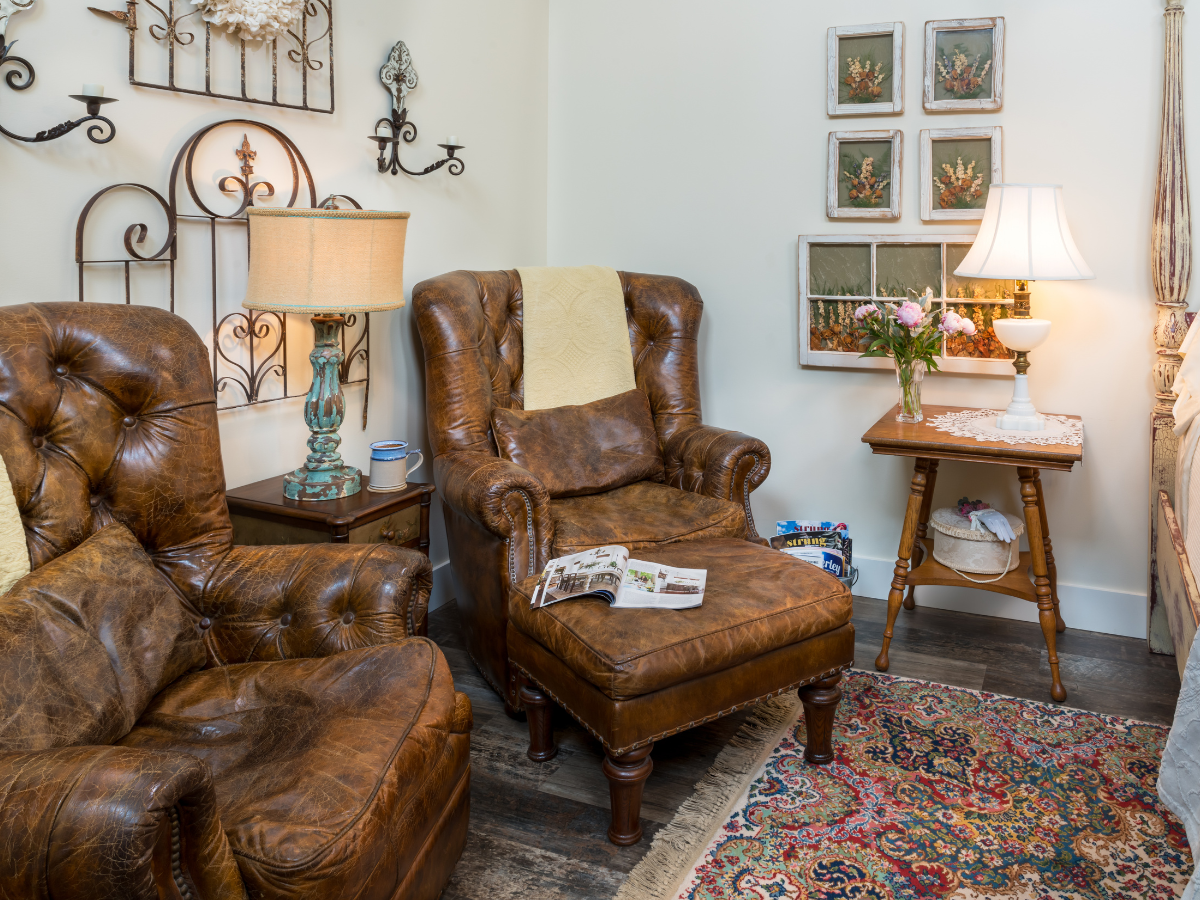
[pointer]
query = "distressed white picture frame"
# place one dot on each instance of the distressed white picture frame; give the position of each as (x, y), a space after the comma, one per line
(892, 106)
(836, 139)
(930, 213)
(849, 360)
(996, 25)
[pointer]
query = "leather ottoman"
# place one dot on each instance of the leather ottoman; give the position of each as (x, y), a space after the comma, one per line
(768, 624)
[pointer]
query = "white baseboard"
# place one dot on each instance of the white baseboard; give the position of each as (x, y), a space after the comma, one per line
(1082, 607)
(443, 586)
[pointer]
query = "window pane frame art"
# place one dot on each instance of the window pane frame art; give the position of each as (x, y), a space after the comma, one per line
(974, 178)
(845, 172)
(891, 98)
(840, 272)
(941, 69)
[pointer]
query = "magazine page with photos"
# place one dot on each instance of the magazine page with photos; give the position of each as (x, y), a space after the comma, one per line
(664, 587)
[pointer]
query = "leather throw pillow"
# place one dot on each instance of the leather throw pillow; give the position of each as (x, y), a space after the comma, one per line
(86, 641)
(14, 552)
(588, 449)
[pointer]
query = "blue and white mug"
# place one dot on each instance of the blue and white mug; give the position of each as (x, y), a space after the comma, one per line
(390, 465)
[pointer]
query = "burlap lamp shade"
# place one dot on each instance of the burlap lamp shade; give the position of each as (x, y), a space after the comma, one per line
(326, 260)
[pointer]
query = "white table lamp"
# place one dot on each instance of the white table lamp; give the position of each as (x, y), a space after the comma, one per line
(1024, 237)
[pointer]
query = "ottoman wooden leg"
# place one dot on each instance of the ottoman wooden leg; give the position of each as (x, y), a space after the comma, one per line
(820, 706)
(541, 727)
(626, 777)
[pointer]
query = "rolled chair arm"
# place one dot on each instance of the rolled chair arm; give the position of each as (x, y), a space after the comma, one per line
(312, 600)
(718, 463)
(112, 823)
(502, 498)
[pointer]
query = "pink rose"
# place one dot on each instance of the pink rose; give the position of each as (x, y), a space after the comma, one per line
(968, 327)
(910, 314)
(951, 322)
(867, 309)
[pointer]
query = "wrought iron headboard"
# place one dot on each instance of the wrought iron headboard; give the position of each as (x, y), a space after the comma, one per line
(254, 329)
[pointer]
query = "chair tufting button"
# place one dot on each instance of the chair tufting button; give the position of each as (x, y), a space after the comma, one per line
(60, 370)
(206, 623)
(348, 618)
(129, 421)
(39, 442)
(285, 620)
(94, 500)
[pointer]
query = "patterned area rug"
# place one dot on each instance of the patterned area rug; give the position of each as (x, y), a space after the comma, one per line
(936, 792)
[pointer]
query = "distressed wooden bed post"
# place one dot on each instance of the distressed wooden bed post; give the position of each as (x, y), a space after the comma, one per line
(1171, 264)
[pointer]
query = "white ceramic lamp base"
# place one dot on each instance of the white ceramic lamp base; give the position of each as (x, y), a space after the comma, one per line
(1021, 335)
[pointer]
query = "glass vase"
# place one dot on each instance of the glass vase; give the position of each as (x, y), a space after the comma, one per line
(909, 376)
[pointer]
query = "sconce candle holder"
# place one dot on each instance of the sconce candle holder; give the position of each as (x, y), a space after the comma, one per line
(399, 76)
(20, 80)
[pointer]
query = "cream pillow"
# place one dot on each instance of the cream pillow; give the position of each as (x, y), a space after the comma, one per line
(14, 553)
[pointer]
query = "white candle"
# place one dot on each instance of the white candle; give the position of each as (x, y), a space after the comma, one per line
(453, 141)
(93, 90)
(383, 130)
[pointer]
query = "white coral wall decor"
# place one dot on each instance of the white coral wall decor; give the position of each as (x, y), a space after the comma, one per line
(253, 20)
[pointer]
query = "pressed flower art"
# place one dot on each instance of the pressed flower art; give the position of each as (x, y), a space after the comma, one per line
(865, 83)
(864, 69)
(963, 64)
(865, 174)
(962, 173)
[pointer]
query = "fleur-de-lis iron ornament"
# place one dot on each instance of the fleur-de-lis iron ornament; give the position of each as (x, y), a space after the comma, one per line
(399, 76)
(249, 189)
(22, 75)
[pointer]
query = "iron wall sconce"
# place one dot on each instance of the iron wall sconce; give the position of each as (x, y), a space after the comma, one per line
(399, 77)
(23, 80)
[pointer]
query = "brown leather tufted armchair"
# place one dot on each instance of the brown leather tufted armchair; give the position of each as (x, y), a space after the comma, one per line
(500, 521)
(321, 752)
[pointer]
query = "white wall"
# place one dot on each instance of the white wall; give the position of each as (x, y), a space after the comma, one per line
(482, 68)
(689, 138)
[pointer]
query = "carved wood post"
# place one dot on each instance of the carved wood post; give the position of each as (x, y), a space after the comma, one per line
(1171, 264)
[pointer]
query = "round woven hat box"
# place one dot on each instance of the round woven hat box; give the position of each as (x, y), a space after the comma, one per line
(981, 552)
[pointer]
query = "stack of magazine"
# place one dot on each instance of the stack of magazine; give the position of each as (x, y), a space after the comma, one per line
(824, 544)
(609, 573)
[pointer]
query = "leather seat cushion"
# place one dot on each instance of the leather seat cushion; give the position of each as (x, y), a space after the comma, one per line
(756, 600)
(642, 515)
(330, 768)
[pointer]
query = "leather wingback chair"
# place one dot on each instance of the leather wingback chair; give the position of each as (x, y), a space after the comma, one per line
(501, 523)
(320, 752)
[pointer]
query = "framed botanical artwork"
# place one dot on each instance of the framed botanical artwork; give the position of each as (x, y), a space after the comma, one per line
(840, 272)
(958, 165)
(863, 179)
(964, 64)
(866, 69)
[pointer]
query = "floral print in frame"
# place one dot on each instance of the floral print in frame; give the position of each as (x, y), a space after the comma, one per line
(866, 69)
(964, 65)
(958, 165)
(864, 174)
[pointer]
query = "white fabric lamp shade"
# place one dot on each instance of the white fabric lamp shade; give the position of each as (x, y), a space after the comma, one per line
(1024, 236)
(326, 260)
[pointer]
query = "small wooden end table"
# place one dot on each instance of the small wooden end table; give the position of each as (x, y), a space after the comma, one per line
(929, 446)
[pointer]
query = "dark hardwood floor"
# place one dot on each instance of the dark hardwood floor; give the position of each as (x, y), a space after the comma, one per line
(538, 830)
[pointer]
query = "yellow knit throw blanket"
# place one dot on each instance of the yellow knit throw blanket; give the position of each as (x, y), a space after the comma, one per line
(575, 335)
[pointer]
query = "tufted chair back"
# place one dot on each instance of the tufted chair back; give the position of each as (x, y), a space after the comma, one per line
(471, 328)
(108, 413)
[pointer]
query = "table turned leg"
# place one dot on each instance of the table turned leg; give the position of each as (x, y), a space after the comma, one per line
(627, 776)
(916, 496)
(910, 601)
(820, 707)
(1041, 575)
(1053, 570)
(539, 712)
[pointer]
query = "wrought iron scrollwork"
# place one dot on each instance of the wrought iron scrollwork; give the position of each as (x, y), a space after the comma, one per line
(21, 77)
(263, 335)
(399, 77)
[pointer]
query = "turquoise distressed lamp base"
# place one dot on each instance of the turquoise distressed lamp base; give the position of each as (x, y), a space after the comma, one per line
(324, 476)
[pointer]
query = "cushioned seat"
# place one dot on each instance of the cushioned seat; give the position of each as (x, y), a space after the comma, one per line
(756, 600)
(643, 515)
(325, 769)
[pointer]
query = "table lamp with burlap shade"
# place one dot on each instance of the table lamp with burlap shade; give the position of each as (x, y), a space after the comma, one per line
(326, 262)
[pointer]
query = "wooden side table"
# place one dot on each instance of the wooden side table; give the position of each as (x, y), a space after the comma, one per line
(929, 446)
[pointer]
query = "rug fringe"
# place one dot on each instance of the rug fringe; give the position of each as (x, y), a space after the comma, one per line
(676, 848)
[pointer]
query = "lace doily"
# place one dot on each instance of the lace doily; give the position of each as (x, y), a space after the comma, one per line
(981, 425)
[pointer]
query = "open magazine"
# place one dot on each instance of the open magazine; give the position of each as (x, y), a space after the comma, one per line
(625, 583)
